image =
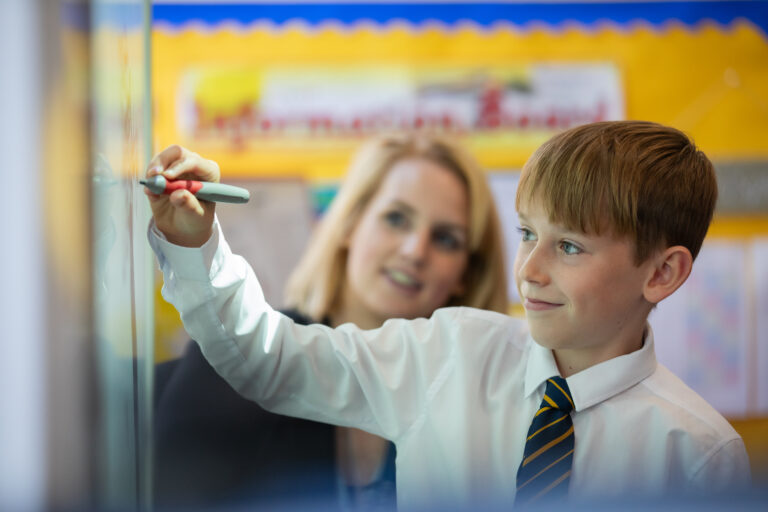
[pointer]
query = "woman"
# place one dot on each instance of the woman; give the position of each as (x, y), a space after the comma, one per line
(412, 229)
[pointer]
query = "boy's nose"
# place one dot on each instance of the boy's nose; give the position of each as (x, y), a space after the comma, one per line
(532, 268)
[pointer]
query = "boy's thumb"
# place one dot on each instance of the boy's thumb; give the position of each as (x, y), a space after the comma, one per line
(185, 201)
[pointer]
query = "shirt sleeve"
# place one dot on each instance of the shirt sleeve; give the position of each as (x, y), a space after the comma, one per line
(379, 380)
(726, 471)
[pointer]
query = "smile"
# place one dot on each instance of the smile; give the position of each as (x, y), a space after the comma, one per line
(539, 305)
(403, 280)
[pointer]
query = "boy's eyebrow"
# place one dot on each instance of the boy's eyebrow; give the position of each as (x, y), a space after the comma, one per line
(562, 229)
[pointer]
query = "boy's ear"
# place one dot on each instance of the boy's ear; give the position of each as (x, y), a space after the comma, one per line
(670, 269)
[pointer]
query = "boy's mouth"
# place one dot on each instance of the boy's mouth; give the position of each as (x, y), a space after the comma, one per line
(539, 305)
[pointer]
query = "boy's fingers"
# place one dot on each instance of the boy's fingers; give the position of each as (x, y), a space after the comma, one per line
(176, 162)
(153, 198)
(194, 165)
(184, 200)
(164, 159)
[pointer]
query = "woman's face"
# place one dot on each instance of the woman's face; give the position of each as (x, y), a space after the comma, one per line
(408, 251)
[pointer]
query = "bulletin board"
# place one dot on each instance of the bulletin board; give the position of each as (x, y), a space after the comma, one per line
(273, 89)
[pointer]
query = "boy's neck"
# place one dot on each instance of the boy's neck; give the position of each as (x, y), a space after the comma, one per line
(572, 361)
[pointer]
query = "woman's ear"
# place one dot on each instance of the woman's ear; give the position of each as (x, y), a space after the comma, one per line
(670, 268)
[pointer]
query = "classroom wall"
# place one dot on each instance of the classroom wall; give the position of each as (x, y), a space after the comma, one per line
(273, 91)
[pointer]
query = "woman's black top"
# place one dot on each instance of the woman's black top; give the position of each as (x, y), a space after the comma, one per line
(216, 448)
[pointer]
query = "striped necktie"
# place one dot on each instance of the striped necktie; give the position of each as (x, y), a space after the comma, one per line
(546, 466)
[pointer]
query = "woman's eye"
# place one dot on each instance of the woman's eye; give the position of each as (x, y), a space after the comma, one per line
(395, 219)
(526, 234)
(447, 240)
(569, 249)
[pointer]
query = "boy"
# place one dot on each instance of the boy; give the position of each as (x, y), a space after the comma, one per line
(482, 406)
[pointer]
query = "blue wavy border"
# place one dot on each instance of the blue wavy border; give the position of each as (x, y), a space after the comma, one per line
(481, 13)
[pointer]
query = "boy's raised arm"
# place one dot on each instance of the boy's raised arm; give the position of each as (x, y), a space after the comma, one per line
(375, 380)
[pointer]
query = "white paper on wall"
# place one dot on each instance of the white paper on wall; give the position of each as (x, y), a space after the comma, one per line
(760, 287)
(504, 188)
(702, 331)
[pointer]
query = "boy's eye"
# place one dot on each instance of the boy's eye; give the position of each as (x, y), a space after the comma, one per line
(447, 240)
(526, 234)
(396, 219)
(570, 249)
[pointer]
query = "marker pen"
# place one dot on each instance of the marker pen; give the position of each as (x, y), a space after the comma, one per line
(217, 192)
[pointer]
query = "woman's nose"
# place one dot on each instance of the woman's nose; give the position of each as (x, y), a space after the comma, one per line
(415, 245)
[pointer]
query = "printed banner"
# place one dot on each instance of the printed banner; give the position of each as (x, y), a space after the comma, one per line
(240, 109)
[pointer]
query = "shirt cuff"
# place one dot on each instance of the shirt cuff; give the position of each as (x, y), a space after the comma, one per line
(194, 263)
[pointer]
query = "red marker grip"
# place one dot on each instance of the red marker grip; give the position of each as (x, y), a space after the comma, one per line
(191, 185)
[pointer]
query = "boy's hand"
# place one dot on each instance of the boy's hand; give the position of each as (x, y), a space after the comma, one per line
(180, 216)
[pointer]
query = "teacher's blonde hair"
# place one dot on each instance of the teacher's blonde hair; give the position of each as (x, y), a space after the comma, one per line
(315, 285)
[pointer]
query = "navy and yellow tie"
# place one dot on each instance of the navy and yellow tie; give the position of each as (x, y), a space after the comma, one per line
(546, 466)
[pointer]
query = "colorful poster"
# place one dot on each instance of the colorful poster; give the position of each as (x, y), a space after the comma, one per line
(504, 189)
(760, 286)
(272, 89)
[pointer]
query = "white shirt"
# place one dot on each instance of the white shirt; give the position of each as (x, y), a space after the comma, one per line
(456, 393)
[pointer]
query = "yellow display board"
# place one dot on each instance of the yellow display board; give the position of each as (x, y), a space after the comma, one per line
(707, 80)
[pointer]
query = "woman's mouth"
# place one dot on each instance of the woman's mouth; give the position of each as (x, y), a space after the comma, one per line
(403, 280)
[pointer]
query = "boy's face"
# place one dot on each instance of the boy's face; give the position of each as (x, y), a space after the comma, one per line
(582, 293)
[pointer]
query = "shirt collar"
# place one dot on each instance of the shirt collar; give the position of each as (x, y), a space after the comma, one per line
(597, 383)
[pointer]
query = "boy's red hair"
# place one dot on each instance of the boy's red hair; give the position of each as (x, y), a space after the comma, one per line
(638, 179)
